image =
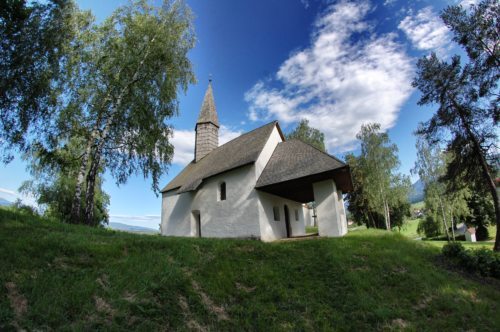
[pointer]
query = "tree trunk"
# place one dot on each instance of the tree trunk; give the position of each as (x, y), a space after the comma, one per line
(452, 227)
(484, 169)
(91, 180)
(444, 219)
(76, 205)
(388, 218)
(95, 162)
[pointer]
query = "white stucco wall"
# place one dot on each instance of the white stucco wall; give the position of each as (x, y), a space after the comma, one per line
(267, 152)
(237, 216)
(329, 209)
(246, 212)
(271, 229)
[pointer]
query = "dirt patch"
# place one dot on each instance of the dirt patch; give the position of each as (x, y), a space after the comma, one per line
(360, 269)
(399, 324)
(17, 300)
(129, 297)
(103, 281)
(244, 288)
(61, 262)
(245, 248)
(191, 323)
(399, 270)
(102, 306)
(424, 302)
(219, 311)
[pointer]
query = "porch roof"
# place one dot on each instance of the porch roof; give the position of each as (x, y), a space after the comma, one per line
(295, 166)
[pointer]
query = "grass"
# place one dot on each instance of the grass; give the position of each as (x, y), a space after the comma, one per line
(64, 277)
(311, 229)
(409, 228)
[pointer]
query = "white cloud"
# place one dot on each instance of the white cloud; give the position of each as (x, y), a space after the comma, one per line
(8, 192)
(468, 3)
(183, 141)
(426, 31)
(12, 195)
(341, 81)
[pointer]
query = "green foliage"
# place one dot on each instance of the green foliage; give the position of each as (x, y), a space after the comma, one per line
(466, 92)
(24, 209)
(482, 261)
(380, 195)
(453, 249)
(482, 212)
(428, 226)
(308, 135)
(54, 181)
(34, 36)
(79, 278)
(131, 69)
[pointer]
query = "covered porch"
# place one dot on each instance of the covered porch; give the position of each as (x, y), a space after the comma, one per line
(300, 172)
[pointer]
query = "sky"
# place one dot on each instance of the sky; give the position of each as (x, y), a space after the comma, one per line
(338, 64)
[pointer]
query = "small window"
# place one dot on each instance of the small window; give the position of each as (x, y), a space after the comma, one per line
(222, 191)
(276, 212)
(296, 215)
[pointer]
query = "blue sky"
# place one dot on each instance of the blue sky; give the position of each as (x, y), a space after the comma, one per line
(338, 64)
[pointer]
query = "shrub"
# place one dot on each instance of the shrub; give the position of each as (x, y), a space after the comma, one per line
(482, 233)
(482, 261)
(428, 226)
(453, 249)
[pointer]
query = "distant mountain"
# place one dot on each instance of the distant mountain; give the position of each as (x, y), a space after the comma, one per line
(4, 202)
(417, 192)
(132, 229)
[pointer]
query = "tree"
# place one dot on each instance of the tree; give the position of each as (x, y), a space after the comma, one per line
(430, 167)
(33, 43)
(380, 195)
(54, 180)
(466, 93)
(139, 61)
(481, 215)
(308, 135)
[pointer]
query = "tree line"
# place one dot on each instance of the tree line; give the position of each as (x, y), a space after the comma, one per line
(457, 148)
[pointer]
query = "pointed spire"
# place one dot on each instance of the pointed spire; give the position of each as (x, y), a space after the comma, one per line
(208, 113)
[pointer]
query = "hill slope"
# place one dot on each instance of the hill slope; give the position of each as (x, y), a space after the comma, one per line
(56, 276)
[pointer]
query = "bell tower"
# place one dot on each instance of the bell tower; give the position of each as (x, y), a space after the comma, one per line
(207, 126)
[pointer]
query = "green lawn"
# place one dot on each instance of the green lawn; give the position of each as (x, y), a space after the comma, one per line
(64, 277)
(311, 229)
(409, 228)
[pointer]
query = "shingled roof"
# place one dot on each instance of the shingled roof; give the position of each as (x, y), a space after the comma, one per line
(208, 113)
(295, 165)
(295, 159)
(241, 151)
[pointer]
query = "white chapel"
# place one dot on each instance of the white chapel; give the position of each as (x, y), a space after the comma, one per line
(253, 186)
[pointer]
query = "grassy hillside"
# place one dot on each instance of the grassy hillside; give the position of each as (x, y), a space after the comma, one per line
(65, 277)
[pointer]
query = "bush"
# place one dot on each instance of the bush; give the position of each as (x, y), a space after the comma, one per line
(482, 261)
(428, 226)
(453, 249)
(482, 233)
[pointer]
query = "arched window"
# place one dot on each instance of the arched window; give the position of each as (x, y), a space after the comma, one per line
(222, 191)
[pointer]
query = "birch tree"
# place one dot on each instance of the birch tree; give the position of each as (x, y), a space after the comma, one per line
(124, 79)
(379, 191)
(33, 48)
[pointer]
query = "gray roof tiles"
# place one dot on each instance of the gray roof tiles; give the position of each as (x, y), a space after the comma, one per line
(295, 159)
(238, 152)
(208, 112)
